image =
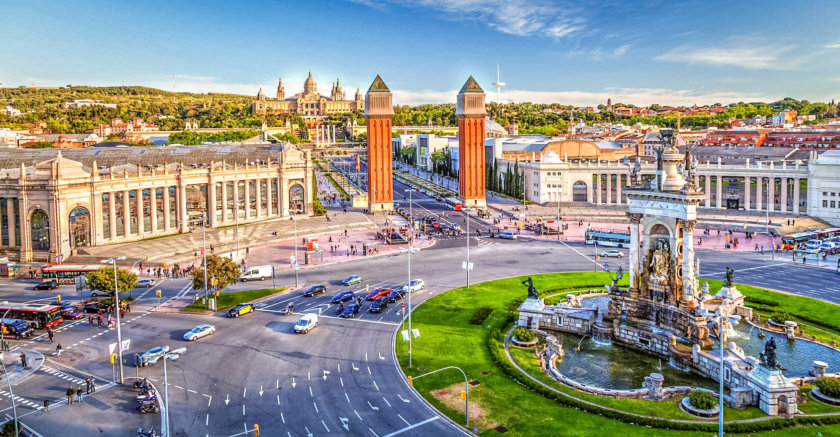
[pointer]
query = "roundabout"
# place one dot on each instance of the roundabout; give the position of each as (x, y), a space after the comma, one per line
(510, 392)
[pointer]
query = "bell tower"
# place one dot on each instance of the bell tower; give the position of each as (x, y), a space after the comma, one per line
(470, 112)
(379, 110)
(281, 91)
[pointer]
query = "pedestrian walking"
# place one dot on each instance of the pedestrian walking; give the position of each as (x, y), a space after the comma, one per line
(87, 386)
(79, 395)
(58, 350)
(93, 386)
(90, 320)
(50, 334)
(22, 360)
(46, 405)
(100, 320)
(70, 393)
(128, 307)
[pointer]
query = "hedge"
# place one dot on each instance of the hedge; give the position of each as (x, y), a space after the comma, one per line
(759, 301)
(702, 400)
(499, 357)
(524, 334)
(480, 315)
(829, 387)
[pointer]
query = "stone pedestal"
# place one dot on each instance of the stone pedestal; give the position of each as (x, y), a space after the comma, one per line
(790, 329)
(777, 395)
(530, 312)
(741, 397)
(819, 369)
(653, 384)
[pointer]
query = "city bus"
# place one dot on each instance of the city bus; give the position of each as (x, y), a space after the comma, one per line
(454, 203)
(792, 241)
(67, 273)
(604, 237)
(827, 234)
(37, 315)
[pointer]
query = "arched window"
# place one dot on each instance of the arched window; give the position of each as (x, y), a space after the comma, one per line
(80, 227)
(40, 230)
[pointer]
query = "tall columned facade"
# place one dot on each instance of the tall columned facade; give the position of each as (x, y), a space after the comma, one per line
(470, 112)
(379, 110)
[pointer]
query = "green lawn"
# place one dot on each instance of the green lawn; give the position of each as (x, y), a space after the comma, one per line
(447, 339)
(230, 300)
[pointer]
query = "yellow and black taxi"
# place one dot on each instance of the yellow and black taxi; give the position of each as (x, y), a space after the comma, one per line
(241, 309)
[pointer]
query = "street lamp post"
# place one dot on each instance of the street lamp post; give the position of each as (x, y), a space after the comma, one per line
(410, 249)
(204, 255)
(295, 266)
(467, 212)
(113, 261)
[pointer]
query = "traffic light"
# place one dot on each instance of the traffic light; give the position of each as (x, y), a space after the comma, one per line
(256, 430)
(58, 297)
(157, 293)
(409, 382)
(463, 395)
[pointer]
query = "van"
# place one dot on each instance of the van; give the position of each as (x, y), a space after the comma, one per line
(16, 328)
(256, 273)
(306, 323)
(813, 246)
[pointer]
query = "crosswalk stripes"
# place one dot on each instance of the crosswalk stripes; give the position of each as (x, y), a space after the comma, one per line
(19, 400)
(482, 242)
(62, 375)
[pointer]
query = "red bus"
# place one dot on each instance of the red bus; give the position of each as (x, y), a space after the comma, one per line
(67, 273)
(37, 315)
(792, 241)
(827, 234)
(454, 203)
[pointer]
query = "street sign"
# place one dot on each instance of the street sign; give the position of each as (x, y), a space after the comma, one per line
(464, 265)
(404, 334)
(415, 332)
(402, 304)
(111, 348)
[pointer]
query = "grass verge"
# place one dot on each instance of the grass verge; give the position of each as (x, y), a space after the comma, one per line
(230, 300)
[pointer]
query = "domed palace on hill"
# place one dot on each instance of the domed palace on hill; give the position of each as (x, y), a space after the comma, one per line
(311, 105)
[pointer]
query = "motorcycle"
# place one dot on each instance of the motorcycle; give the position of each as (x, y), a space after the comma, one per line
(149, 433)
(147, 407)
(142, 385)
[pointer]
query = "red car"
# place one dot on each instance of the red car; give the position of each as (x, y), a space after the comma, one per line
(71, 313)
(379, 292)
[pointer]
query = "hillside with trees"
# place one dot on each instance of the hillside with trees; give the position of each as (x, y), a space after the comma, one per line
(212, 110)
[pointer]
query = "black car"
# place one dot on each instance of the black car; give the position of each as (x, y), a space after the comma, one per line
(351, 310)
(315, 289)
(378, 305)
(92, 308)
(396, 295)
(343, 296)
(47, 285)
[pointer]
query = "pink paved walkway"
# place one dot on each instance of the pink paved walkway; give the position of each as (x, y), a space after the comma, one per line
(713, 241)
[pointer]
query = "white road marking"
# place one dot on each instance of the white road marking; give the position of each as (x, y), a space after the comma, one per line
(316, 406)
(357, 415)
(243, 409)
(374, 384)
(310, 392)
(374, 434)
(410, 427)
(342, 381)
(346, 396)
(207, 420)
(400, 416)
(209, 399)
(368, 367)
(325, 425)
(386, 401)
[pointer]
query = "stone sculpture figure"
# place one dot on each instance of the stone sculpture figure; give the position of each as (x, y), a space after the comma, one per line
(659, 260)
(532, 291)
(768, 357)
(727, 282)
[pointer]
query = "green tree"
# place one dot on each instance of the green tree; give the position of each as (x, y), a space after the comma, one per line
(103, 280)
(221, 271)
(41, 145)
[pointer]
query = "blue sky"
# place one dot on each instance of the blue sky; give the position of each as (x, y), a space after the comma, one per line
(550, 51)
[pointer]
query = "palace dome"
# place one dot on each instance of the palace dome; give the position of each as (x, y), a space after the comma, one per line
(310, 86)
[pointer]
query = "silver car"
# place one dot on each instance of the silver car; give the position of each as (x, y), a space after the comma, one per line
(151, 356)
(612, 253)
(199, 331)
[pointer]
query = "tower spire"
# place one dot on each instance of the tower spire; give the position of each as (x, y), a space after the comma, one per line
(498, 84)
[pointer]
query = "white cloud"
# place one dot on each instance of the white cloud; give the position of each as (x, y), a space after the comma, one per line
(513, 17)
(755, 58)
(834, 45)
(621, 50)
(635, 96)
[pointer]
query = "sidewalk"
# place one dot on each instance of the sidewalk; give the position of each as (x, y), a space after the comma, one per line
(11, 359)
(108, 412)
(182, 247)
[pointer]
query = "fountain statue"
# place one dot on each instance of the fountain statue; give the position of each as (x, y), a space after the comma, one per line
(727, 281)
(532, 291)
(768, 357)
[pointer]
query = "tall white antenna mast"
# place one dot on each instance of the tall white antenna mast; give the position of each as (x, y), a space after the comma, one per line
(498, 84)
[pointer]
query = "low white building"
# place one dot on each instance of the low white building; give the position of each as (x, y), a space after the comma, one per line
(428, 144)
(9, 137)
(824, 187)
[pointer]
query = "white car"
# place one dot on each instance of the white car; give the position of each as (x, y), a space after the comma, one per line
(199, 331)
(507, 235)
(146, 282)
(612, 254)
(414, 285)
(306, 323)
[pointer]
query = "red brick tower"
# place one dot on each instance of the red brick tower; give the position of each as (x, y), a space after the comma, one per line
(471, 113)
(379, 110)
